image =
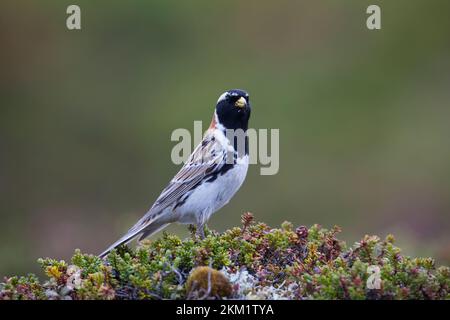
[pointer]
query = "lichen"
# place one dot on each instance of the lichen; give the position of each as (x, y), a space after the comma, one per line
(253, 261)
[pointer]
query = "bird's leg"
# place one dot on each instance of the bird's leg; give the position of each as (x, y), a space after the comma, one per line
(193, 230)
(201, 230)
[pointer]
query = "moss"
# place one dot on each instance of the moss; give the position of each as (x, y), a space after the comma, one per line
(207, 282)
(249, 262)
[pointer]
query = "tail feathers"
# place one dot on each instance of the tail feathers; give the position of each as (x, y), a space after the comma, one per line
(124, 240)
(132, 233)
(153, 229)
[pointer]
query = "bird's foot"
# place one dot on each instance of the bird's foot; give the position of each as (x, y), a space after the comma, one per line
(192, 230)
(197, 231)
(201, 231)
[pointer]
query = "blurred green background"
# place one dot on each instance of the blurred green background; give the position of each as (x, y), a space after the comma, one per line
(86, 116)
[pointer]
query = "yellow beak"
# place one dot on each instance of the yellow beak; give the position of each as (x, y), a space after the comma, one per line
(241, 103)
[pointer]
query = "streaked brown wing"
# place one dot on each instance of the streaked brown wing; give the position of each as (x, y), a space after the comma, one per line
(206, 159)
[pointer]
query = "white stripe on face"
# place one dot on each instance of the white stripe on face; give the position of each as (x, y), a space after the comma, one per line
(223, 97)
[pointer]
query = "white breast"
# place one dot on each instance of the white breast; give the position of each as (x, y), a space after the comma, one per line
(211, 196)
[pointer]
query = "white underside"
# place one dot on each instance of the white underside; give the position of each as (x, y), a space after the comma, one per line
(211, 196)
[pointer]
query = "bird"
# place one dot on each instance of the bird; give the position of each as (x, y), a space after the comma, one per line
(210, 177)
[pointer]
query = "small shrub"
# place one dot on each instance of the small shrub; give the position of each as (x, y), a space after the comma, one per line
(250, 262)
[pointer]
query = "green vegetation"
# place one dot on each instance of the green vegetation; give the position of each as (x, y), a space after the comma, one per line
(250, 262)
(86, 116)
